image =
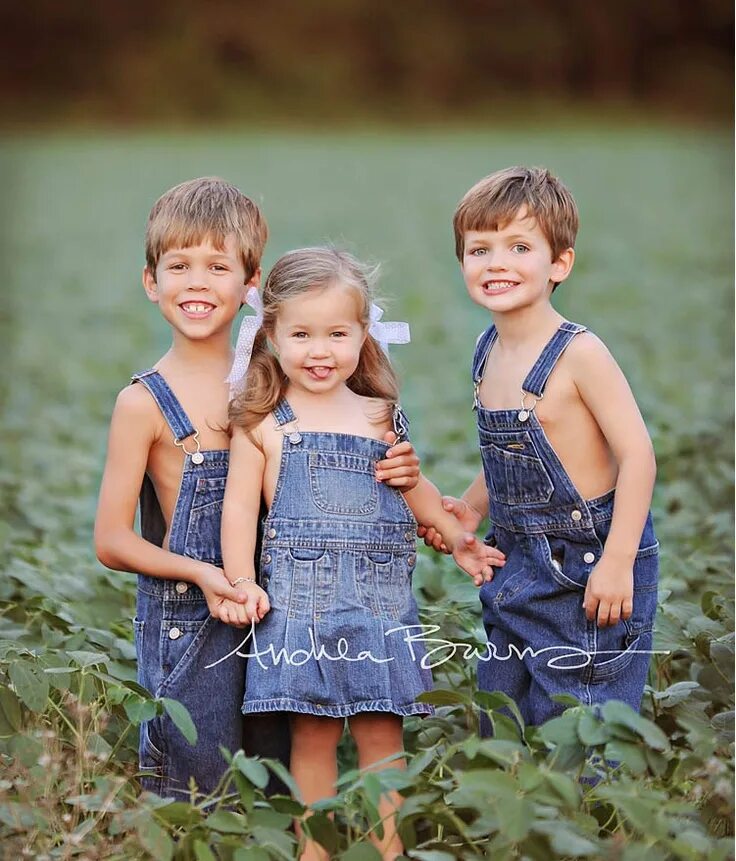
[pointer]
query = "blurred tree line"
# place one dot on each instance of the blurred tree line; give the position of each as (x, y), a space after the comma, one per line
(158, 60)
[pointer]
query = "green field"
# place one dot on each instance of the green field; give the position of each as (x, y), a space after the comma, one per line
(653, 278)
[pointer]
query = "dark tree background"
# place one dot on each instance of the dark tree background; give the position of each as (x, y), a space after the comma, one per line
(164, 60)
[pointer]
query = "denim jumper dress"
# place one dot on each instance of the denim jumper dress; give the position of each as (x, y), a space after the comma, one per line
(175, 636)
(338, 553)
(539, 640)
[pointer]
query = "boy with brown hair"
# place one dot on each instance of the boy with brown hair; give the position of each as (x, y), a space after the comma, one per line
(168, 445)
(568, 466)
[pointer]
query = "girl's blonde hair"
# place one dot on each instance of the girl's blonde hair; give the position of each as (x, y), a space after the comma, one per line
(295, 273)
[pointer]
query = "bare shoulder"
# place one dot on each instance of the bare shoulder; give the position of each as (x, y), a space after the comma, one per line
(378, 411)
(587, 349)
(259, 436)
(134, 407)
(590, 362)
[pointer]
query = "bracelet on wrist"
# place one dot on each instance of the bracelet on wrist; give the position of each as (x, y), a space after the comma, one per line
(240, 580)
(472, 508)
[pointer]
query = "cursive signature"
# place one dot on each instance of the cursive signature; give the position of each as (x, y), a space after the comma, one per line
(434, 651)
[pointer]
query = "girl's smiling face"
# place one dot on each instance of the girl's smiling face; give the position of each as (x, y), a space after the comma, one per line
(318, 336)
(512, 268)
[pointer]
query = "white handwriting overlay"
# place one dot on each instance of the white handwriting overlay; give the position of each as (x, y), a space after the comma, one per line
(436, 651)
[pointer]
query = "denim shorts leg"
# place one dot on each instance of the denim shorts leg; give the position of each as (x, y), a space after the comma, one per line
(176, 640)
(594, 664)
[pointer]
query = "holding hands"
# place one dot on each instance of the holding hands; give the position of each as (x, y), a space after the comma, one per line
(467, 516)
(238, 603)
(476, 558)
(449, 524)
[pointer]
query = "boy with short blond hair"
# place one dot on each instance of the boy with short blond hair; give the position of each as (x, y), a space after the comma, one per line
(568, 467)
(169, 444)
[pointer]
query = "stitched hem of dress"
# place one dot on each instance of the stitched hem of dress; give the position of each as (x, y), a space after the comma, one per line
(344, 710)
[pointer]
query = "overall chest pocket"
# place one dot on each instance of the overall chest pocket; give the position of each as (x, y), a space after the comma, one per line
(343, 483)
(203, 529)
(514, 471)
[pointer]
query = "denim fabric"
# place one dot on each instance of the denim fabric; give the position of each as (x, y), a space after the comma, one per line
(175, 636)
(337, 559)
(539, 640)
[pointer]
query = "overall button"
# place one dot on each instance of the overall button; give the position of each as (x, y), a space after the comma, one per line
(589, 557)
(271, 533)
(409, 536)
(174, 634)
(576, 515)
(411, 560)
(181, 587)
(267, 557)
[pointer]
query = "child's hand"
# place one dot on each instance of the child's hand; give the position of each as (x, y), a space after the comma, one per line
(465, 514)
(400, 468)
(240, 615)
(609, 593)
(216, 588)
(232, 613)
(476, 558)
(257, 603)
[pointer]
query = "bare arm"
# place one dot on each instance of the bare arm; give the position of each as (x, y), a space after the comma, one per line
(605, 391)
(470, 511)
(118, 546)
(240, 511)
(476, 497)
(471, 555)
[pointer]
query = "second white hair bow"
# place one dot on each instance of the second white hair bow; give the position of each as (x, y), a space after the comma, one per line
(387, 333)
(384, 333)
(244, 346)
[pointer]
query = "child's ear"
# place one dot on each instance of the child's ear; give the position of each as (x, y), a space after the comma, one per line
(255, 281)
(562, 266)
(149, 284)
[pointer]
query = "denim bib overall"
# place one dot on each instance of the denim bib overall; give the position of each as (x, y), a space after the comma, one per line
(539, 640)
(337, 557)
(175, 636)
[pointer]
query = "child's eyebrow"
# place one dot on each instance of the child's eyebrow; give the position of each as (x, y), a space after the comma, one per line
(321, 325)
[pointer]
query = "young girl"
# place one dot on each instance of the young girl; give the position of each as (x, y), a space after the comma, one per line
(335, 602)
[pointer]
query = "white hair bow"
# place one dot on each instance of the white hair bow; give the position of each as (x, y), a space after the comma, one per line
(244, 346)
(387, 333)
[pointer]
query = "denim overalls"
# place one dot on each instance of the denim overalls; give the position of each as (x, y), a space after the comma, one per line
(176, 637)
(539, 640)
(337, 557)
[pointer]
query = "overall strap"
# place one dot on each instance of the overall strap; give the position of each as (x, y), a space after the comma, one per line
(284, 413)
(482, 348)
(167, 402)
(400, 423)
(537, 378)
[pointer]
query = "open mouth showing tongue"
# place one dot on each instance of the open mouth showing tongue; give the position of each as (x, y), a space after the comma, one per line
(321, 373)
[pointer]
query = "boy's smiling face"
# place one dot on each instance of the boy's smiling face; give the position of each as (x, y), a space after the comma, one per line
(199, 289)
(511, 268)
